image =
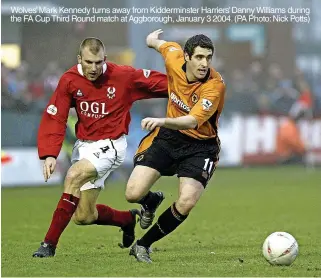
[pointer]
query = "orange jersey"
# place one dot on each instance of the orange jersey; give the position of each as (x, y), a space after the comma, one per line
(204, 99)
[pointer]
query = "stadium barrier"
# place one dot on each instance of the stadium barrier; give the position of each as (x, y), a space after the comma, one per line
(246, 140)
(22, 167)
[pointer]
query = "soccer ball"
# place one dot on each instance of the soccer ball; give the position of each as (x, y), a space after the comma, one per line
(280, 248)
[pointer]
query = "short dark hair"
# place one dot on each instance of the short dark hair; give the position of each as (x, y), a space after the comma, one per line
(94, 44)
(198, 40)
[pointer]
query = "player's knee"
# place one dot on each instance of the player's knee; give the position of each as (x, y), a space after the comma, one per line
(75, 178)
(185, 204)
(132, 195)
(83, 219)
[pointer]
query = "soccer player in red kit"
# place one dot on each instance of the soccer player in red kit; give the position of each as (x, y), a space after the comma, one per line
(102, 94)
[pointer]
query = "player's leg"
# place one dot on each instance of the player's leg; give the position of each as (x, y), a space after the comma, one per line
(107, 155)
(138, 191)
(150, 165)
(146, 172)
(91, 162)
(190, 191)
(194, 171)
(88, 213)
(77, 175)
(139, 183)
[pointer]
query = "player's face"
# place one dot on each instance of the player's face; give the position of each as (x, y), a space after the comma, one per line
(92, 64)
(198, 65)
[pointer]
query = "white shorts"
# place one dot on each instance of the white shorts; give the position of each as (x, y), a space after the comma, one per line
(106, 155)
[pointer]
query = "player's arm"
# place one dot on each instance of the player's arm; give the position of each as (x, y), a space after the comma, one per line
(171, 51)
(184, 122)
(153, 41)
(145, 84)
(53, 126)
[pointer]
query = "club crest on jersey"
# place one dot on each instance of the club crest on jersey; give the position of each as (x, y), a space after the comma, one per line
(79, 93)
(111, 92)
(146, 73)
(194, 98)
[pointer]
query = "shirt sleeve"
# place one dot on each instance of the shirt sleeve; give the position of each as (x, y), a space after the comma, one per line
(145, 84)
(171, 50)
(52, 127)
(208, 103)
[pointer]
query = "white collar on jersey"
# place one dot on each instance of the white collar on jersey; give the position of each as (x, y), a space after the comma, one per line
(79, 68)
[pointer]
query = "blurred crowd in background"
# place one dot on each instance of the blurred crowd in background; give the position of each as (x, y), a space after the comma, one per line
(258, 89)
(24, 91)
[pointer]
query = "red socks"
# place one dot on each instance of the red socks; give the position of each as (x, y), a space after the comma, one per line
(61, 217)
(113, 217)
(67, 206)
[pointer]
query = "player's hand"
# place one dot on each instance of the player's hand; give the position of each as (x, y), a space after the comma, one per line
(49, 167)
(151, 123)
(150, 39)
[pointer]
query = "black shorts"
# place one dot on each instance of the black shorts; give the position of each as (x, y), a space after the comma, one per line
(173, 152)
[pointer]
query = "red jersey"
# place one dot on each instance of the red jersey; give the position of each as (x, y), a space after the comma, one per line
(102, 106)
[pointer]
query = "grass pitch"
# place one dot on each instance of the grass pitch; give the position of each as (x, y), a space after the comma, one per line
(223, 236)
